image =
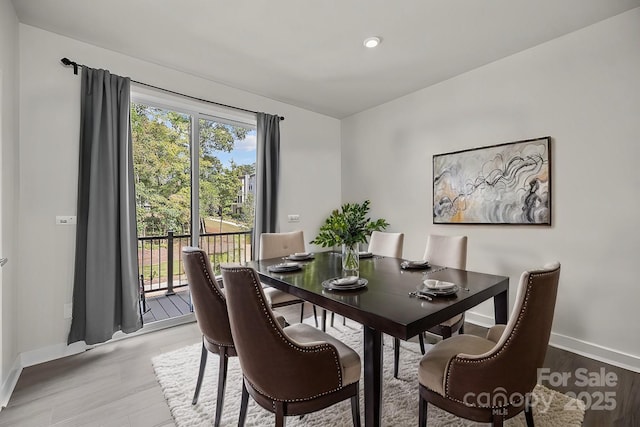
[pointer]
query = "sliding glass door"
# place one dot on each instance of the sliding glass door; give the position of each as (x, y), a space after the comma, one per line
(175, 207)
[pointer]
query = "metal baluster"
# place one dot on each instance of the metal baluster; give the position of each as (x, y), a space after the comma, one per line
(170, 263)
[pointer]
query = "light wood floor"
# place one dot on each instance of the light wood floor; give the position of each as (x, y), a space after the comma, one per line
(110, 385)
(114, 384)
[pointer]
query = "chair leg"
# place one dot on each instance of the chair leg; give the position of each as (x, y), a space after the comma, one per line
(344, 321)
(498, 420)
(332, 317)
(446, 332)
(421, 339)
(301, 312)
(244, 402)
(528, 411)
(396, 356)
(279, 410)
(461, 329)
(203, 363)
(315, 315)
(324, 320)
(422, 416)
(355, 409)
(222, 382)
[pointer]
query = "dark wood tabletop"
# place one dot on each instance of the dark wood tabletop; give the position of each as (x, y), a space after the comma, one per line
(384, 305)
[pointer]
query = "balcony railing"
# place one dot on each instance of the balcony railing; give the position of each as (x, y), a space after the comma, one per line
(160, 260)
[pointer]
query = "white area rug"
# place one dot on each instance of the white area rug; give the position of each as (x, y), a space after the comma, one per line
(177, 372)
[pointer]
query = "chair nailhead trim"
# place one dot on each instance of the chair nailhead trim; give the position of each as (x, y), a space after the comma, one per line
(212, 287)
(314, 349)
(502, 348)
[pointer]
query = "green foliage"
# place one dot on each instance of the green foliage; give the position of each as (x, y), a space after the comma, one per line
(349, 225)
(161, 155)
(248, 211)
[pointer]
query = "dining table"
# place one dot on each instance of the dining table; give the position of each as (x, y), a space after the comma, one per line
(384, 304)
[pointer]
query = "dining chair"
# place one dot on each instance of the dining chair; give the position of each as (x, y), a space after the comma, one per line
(491, 379)
(288, 371)
(275, 245)
(451, 252)
(210, 309)
(385, 244)
(444, 251)
(382, 243)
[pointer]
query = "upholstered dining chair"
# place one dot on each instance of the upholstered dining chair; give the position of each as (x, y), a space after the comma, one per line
(491, 379)
(274, 245)
(447, 251)
(210, 309)
(210, 306)
(444, 251)
(288, 371)
(385, 244)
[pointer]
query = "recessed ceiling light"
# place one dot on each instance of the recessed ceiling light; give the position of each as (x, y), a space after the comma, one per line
(371, 42)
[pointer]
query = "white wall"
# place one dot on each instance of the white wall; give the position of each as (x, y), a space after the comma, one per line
(584, 91)
(8, 195)
(50, 108)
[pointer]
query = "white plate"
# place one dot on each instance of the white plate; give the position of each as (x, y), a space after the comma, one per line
(431, 289)
(423, 263)
(330, 284)
(440, 285)
(285, 266)
(342, 281)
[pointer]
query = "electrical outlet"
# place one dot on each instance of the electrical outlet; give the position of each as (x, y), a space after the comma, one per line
(294, 218)
(65, 219)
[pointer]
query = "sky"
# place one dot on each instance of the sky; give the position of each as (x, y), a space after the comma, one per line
(244, 152)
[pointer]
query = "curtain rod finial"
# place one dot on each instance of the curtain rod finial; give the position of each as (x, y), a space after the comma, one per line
(67, 62)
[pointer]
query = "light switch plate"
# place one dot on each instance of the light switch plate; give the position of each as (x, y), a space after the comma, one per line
(294, 218)
(65, 219)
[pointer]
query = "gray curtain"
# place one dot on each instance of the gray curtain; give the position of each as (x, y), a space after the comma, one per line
(105, 289)
(267, 177)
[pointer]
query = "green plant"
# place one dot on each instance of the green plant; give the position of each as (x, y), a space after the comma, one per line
(348, 225)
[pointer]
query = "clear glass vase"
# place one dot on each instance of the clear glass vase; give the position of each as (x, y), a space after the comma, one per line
(350, 261)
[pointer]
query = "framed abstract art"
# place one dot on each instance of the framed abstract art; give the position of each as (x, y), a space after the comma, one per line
(500, 184)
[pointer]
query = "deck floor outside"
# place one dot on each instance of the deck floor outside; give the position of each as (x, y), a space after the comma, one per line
(161, 306)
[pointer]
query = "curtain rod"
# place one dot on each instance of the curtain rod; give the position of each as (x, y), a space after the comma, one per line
(69, 63)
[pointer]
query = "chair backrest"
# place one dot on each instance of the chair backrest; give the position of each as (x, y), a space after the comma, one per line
(273, 245)
(513, 363)
(208, 300)
(447, 251)
(272, 362)
(386, 244)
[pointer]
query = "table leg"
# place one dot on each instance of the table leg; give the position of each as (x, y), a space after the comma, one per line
(501, 307)
(372, 377)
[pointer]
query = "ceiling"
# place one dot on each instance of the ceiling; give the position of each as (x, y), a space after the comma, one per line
(310, 53)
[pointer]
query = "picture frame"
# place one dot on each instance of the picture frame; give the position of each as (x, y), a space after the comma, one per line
(506, 183)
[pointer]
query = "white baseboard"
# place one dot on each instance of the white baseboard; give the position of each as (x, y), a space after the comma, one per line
(52, 352)
(479, 319)
(595, 351)
(10, 383)
(573, 345)
(35, 357)
(57, 351)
